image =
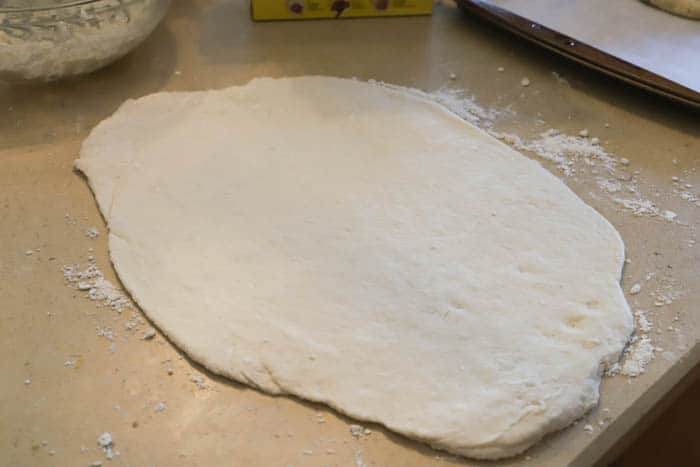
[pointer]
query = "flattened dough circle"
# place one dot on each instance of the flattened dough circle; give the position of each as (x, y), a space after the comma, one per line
(363, 247)
(687, 8)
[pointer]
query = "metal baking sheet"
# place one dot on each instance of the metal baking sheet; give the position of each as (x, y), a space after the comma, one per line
(665, 44)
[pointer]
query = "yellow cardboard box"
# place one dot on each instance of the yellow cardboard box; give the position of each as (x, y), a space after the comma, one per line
(265, 10)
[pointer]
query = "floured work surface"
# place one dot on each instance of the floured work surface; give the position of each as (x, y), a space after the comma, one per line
(90, 369)
(631, 30)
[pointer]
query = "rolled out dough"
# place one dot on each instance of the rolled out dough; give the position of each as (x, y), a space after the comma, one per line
(687, 8)
(361, 246)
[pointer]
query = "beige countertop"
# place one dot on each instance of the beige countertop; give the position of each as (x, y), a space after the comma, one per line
(115, 384)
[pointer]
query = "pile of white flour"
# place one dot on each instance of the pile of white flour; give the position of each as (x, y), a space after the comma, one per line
(89, 279)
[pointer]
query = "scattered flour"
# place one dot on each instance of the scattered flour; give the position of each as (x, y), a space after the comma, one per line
(91, 280)
(579, 154)
(199, 381)
(455, 101)
(685, 193)
(105, 332)
(665, 295)
(565, 151)
(92, 232)
(465, 107)
(639, 207)
(637, 357)
(669, 215)
(358, 431)
(643, 322)
(359, 461)
(105, 442)
(609, 185)
(640, 351)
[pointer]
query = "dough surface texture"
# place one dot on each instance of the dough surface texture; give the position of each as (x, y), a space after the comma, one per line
(687, 8)
(361, 246)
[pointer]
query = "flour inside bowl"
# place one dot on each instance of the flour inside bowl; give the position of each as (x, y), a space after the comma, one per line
(53, 40)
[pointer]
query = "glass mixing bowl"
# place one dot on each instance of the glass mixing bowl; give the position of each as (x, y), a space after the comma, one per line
(50, 39)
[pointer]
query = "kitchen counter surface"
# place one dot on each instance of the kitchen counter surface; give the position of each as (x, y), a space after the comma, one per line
(73, 370)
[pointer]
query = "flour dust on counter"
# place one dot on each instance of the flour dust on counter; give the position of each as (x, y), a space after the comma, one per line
(106, 443)
(89, 279)
(92, 232)
(361, 246)
(585, 157)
